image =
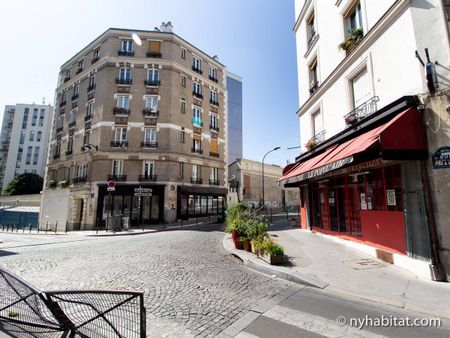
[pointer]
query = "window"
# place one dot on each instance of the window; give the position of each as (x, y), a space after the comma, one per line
(34, 118)
(87, 137)
(153, 77)
(60, 122)
(181, 169)
(39, 136)
(355, 18)
(41, 118)
(82, 170)
(70, 145)
(76, 92)
(183, 80)
(213, 97)
(28, 158)
(197, 116)
(36, 155)
(92, 82)
(22, 137)
(150, 135)
(361, 88)
(89, 108)
(182, 136)
(183, 105)
(73, 116)
(196, 64)
(214, 147)
(195, 171)
(197, 89)
(317, 122)
(97, 54)
(125, 74)
(149, 168)
(25, 118)
(310, 29)
(214, 175)
(214, 122)
(183, 53)
(127, 45)
(117, 167)
(19, 154)
(154, 48)
(375, 190)
(32, 133)
(313, 78)
(213, 73)
(123, 101)
(80, 65)
(151, 103)
(121, 134)
(196, 145)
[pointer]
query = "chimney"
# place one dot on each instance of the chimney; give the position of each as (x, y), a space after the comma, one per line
(166, 27)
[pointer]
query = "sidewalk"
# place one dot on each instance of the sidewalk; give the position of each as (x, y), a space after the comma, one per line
(349, 272)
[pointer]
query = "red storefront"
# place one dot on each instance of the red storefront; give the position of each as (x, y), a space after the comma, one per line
(356, 185)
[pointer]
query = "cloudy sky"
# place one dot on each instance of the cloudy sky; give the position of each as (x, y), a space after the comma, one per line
(253, 38)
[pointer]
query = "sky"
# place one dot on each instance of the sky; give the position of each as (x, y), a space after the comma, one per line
(253, 38)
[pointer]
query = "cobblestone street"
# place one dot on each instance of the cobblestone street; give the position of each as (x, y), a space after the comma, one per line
(192, 288)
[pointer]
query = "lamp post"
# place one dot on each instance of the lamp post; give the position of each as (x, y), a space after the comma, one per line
(262, 176)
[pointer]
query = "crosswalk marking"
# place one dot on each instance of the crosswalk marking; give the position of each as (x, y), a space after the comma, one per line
(313, 323)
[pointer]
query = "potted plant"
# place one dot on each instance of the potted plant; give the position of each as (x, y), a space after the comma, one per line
(271, 252)
(64, 183)
(234, 221)
(52, 184)
(350, 119)
(355, 37)
(311, 144)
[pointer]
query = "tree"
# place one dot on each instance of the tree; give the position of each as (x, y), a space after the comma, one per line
(24, 184)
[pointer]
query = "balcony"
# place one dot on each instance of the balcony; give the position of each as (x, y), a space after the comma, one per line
(215, 103)
(214, 128)
(214, 182)
(63, 103)
(91, 88)
(78, 180)
(88, 117)
(197, 95)
(122, 81)
(150, 112)
(117, 178)
(197, 70)
(214, 154)
(75, 97)
(119, 144)
(68, 152)
(79, 70)
(314, 88)
(197, 151)
(149, 144)
(152, 83)
(56, 156)
(314, 36)
(212, 78)
(147, 178)
(315, 140)
(196, 180)
(72, 124)
(94, 59)
(59, 129)
(125, 53)
(362, 111)
(67, 78)
(153, 54)
(121, 111)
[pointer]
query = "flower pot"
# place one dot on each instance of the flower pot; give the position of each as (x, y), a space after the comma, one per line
(247, 245)
(235, 238)
(253, 247)
(272, 259)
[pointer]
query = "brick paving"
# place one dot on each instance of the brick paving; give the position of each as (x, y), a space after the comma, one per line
(192, 288)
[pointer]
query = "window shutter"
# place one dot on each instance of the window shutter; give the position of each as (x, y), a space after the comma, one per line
(214, 146)
(154, 46)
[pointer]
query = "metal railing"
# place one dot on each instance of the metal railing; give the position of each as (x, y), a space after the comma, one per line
(124, 81)
(147, 178)
(74, 313)
(314, 88)
(149, 144)
(196, 180)
(315, 140)
(197, 70)
(150, 112)
(362, 111)
(152, 82)
(121, 111)
(125, 53)
(119, 144)
(118, 178)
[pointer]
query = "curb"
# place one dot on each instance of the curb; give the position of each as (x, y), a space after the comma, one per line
(279, 271)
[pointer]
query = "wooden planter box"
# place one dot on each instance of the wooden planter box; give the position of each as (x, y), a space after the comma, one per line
(271, 259)
(247, 245)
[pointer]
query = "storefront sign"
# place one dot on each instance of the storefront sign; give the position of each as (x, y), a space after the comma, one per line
(322, 170)
(142, 192)
(363, 201)
(390, 197)
(365, 165)
(441, 158)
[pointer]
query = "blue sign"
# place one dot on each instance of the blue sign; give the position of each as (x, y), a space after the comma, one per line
(441, 158)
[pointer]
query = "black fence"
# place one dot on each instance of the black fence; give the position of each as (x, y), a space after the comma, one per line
(275, 214)
(79, 313)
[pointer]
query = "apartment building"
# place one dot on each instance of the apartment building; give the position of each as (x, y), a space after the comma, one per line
(365, 162)
(24, 140)
(143, 113)
(235, 125)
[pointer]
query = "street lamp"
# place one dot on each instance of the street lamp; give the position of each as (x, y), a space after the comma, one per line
(262, 176)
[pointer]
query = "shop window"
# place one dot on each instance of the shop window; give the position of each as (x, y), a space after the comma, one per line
(375, 190)
(394, 188)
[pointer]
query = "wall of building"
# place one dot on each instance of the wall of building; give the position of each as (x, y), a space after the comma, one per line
(54, 209)
(235, 127)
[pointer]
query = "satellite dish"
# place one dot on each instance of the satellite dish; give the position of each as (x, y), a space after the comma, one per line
(136, 39)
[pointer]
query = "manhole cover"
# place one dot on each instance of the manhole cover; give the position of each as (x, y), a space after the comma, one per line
(362, 264)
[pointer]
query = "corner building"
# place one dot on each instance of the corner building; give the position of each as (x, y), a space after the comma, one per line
(151, 116)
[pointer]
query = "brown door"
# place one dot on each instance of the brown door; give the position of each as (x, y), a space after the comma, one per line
(325, 206)
(354, 198)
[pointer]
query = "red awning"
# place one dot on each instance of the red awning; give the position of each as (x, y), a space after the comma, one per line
(403, 132)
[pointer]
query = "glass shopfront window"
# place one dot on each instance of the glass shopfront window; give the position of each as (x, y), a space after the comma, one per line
(394, 187)
(375, 190)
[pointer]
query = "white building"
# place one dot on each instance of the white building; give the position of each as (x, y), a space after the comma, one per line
(24, 137)
(364, 152)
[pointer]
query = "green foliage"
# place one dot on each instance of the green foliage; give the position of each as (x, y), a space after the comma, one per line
(24, 184)
(235, 217)
(269, 247)
(353, 40)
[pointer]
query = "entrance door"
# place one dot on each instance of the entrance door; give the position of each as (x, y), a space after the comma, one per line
(324, 205)
(354, 199)
(342, 204)
(155, 208)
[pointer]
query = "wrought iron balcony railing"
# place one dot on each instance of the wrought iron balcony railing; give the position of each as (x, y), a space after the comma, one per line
(78, 180)
(88, 117)
(123, 81)
(153, 83)
(214, 102)
(197, 151)
(75, 97)
(72, 124)
(214, 128)
(315, 140)
(117, 178)
(119, 144)
(154, 54)
(150, 112)
(362, 111)
(314, 88)
(197, 95)
(212, 78)
(214, 182)
(125, 53)
(147, 178)
(197, 70)
(91, 88)
(149, 144)
(197, 180)
(121, 111)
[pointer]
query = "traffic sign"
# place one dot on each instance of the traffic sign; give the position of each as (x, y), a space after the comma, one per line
(111, 186)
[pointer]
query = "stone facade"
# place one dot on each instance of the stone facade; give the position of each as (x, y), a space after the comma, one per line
(160, 70)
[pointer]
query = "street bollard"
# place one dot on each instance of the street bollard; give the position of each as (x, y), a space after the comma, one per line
(56, 226)
(30, 227)
(287, 215)
(96, 225)
(67, 223)
(46, 227)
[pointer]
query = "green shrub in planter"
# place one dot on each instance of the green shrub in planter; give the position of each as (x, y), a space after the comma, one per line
(270, 252)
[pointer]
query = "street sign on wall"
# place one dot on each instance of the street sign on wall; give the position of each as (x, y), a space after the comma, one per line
(441, 158)
(142, 192)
